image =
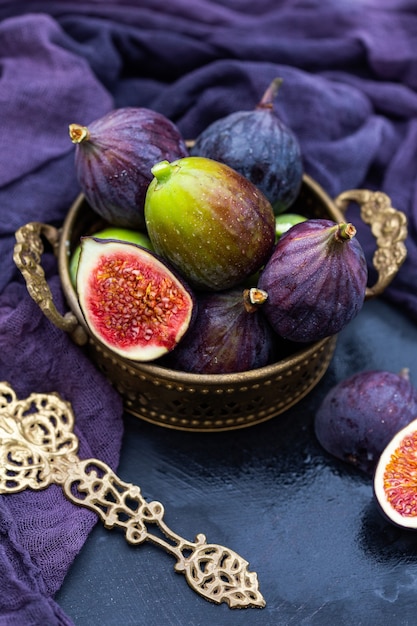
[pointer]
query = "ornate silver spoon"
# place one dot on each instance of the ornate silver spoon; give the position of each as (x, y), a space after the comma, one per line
(38, 448)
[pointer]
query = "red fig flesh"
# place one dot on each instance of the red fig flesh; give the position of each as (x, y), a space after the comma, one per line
(395, 480)
(131, 300)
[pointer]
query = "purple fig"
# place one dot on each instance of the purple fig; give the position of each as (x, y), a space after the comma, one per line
(113, 160)
(211, 223)
(260, 146)
(229, 335)
(315, 279)
(360, 415)
(132, 302)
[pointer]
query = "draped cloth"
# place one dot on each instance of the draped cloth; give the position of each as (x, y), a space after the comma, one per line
(349, 70)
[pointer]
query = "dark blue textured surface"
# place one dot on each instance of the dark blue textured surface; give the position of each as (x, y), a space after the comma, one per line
(307, 523)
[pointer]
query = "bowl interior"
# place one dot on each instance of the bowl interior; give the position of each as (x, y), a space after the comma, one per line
(196, 402)
(312, 201)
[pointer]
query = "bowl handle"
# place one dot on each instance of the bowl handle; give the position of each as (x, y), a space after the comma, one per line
(388, 226)
(27, 257)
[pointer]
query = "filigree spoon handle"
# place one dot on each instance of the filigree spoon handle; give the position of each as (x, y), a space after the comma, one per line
(38, 448)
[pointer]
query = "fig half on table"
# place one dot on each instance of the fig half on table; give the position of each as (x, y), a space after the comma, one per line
(395, 480)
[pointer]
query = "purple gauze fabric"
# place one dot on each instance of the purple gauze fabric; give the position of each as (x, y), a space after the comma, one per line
(349, 92)
(41, 532)
(349, 72)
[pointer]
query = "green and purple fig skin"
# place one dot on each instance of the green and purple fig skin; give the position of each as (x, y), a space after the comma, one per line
(316, 280)
(229, 335)
(260, 146)
(113, 159)
(211, 223)
(359, 416)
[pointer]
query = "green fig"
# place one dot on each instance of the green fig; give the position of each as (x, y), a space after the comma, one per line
(119, 234)
(285, 221)
(211, 223)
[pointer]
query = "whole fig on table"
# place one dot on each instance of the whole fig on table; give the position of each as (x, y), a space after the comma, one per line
(114, 156)
(229, 335)
(361, 414)
(132, 302)
(211, 223)
(315, 279)
(260, 146)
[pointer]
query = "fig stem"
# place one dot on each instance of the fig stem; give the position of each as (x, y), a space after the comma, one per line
(404, 373)
(78, 133)
(253, 298)
(345, 231)
(162, 170)
(267, 101)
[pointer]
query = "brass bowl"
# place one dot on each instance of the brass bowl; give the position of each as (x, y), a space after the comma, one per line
(196, 402)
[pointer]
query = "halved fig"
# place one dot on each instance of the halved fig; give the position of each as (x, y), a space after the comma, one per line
(395, 480)
(131, 300)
